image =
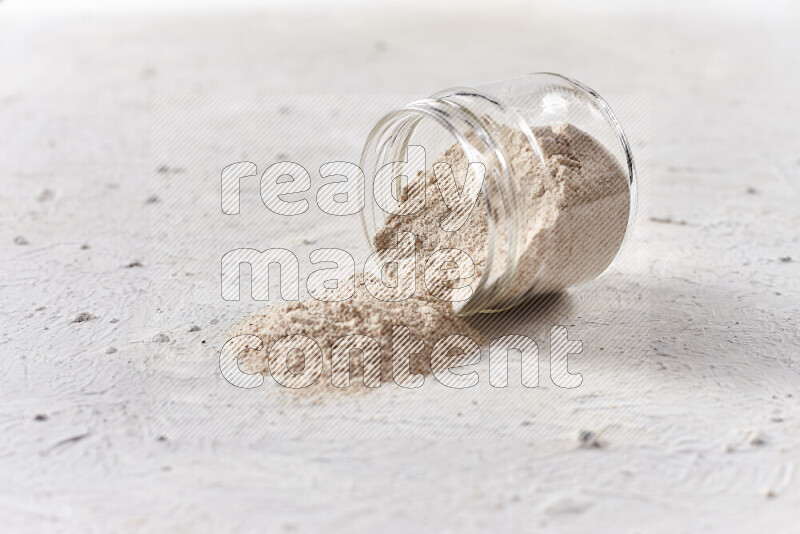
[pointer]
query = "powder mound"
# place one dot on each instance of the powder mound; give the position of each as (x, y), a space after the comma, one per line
(427, 319)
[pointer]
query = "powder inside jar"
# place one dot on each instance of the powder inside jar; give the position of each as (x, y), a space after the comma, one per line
(574, 212)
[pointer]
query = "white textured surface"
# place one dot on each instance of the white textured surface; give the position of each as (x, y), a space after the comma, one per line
(677, 398)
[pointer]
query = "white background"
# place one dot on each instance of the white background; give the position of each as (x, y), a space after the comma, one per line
(696, 399)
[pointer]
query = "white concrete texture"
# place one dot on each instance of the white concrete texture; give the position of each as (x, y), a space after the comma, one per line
(688, 418)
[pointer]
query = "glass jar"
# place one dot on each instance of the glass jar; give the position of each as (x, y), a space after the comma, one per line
(559, 189)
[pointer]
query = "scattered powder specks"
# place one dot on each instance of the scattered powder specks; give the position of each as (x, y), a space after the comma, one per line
(160, 338)
(83, 317)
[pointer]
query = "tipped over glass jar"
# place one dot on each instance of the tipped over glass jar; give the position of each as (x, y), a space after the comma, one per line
(532, 177)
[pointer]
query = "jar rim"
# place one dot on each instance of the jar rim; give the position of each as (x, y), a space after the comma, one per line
(460, 124)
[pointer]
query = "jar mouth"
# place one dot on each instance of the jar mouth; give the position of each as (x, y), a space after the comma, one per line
(467, 116)
(388, 142)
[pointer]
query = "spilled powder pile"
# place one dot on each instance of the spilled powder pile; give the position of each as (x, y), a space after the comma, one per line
(575, 212)
(427, 318)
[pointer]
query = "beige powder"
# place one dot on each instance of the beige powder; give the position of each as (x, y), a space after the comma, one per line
(427, 318)
(576, 215)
